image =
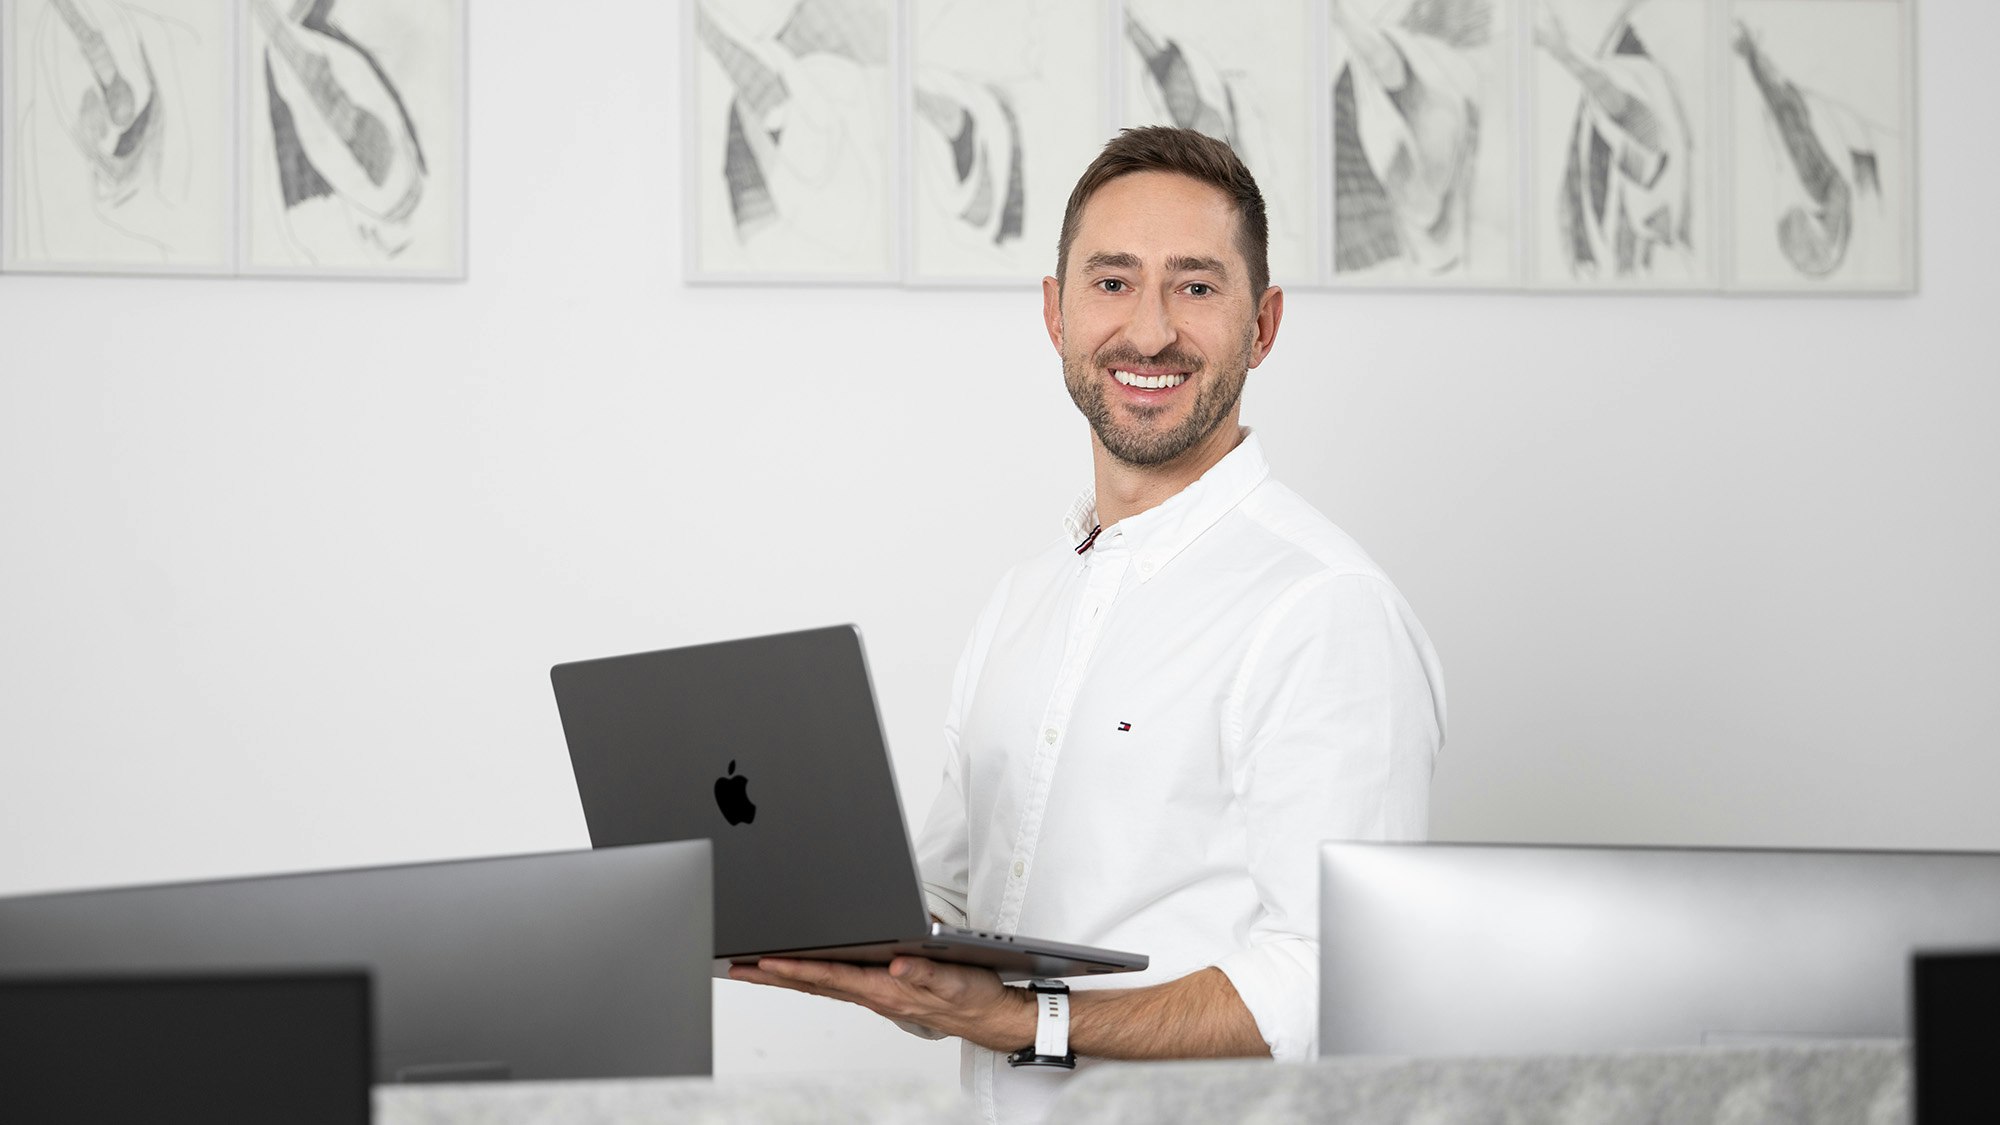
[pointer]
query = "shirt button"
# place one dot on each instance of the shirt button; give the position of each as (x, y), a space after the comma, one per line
(1020, 869)
(1049, 736)
(1147, 567)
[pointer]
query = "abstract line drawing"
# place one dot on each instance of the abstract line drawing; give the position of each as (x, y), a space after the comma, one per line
(1421, 120)
(345, 174)
(978, 123)
(117, 119)
(1627, 187)
(1006, 107)
(1191, 91)
(1244, 75)
(1827, 155)
(794, 137)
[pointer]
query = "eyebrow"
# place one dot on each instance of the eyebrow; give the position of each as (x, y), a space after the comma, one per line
(1178, 263)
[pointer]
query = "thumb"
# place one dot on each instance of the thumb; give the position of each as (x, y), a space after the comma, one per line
(913, 971)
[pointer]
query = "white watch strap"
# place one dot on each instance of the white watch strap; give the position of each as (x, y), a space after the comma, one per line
(1052, 1023)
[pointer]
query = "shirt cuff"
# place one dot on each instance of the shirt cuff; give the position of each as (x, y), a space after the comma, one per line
(1279, 982)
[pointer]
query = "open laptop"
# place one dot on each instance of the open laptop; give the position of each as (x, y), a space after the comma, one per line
(1457, 949)
(772, 748)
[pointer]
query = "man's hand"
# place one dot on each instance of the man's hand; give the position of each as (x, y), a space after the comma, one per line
(1197, 1016)
(960, 1000)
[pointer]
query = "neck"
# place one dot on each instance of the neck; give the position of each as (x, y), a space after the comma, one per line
(1126, 490)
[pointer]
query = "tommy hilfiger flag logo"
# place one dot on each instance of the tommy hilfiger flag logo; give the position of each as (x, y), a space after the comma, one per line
(1124, 726)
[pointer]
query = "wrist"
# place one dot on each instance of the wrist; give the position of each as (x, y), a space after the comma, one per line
(1010, 1023)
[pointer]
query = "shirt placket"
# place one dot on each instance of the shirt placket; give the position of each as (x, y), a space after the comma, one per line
(1104, 570)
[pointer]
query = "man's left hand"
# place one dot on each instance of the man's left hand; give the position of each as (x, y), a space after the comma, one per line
(960, 1000)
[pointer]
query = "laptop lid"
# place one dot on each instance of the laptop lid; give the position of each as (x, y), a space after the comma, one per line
(771, 747)
(1434, 949)
(583, 964)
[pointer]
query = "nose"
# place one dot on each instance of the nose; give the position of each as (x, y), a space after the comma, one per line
(1151, 329)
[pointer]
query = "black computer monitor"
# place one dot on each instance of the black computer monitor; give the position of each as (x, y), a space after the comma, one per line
(121, 1049)
(585, 964)
(1955, 1036)
(1439, 949)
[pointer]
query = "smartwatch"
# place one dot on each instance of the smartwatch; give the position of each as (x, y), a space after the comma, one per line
(1051, 1045)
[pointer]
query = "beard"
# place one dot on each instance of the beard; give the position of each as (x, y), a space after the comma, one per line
(1147, 439)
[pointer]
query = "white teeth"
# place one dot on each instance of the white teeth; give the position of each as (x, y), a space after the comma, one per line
(1148, 382)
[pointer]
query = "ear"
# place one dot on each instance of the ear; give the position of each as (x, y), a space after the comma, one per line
(1052, 311)
(1270, 310)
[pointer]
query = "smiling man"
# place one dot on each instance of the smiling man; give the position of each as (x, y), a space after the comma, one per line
(1159, 717)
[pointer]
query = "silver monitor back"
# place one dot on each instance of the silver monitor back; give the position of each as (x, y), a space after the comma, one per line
(587, 964)
(1438, 949)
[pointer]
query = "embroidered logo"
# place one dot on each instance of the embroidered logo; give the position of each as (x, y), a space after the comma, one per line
(1124, 726)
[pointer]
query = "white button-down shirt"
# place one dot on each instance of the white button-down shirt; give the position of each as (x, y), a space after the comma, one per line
(1147, 742)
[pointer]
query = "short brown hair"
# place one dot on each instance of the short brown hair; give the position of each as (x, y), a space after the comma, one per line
(1163, 148)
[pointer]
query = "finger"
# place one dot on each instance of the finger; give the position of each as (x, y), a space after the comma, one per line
(917, 972)
(826, 974)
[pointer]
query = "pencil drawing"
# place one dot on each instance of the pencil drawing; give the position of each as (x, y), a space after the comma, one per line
(1190, 88)
(351, 169)
(117, 119)
(802, 155)
(1407, 112)
(978, 123)
(1007, 100)
(1243, 74)
(1827, 163)
(1626, 201)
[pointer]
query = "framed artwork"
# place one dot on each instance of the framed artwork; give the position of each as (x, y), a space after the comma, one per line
(1822, 175)
(791, 153)
(115, 135)
(1245, 74)
(1424, 142)
(1007, 103)
(353, 154)
(1623, 164)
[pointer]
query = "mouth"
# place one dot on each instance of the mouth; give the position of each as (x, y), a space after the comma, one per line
(1142, 380)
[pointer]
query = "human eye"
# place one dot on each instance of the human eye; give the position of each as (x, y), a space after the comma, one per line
(1200, 289)
(1111, 285)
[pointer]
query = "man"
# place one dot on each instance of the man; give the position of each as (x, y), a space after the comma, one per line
(1159, 718)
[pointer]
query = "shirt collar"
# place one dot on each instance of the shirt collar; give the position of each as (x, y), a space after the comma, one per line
(1161, 532)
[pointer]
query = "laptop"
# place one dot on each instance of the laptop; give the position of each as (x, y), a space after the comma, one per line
(1456, 949)
(772, 748)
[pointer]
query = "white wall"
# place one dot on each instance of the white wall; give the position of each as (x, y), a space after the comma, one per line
(286, 562)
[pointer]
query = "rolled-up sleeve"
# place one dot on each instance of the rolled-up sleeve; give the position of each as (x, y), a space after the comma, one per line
(1331, 728)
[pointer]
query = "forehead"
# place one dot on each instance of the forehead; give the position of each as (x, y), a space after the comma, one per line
(1156, 215)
